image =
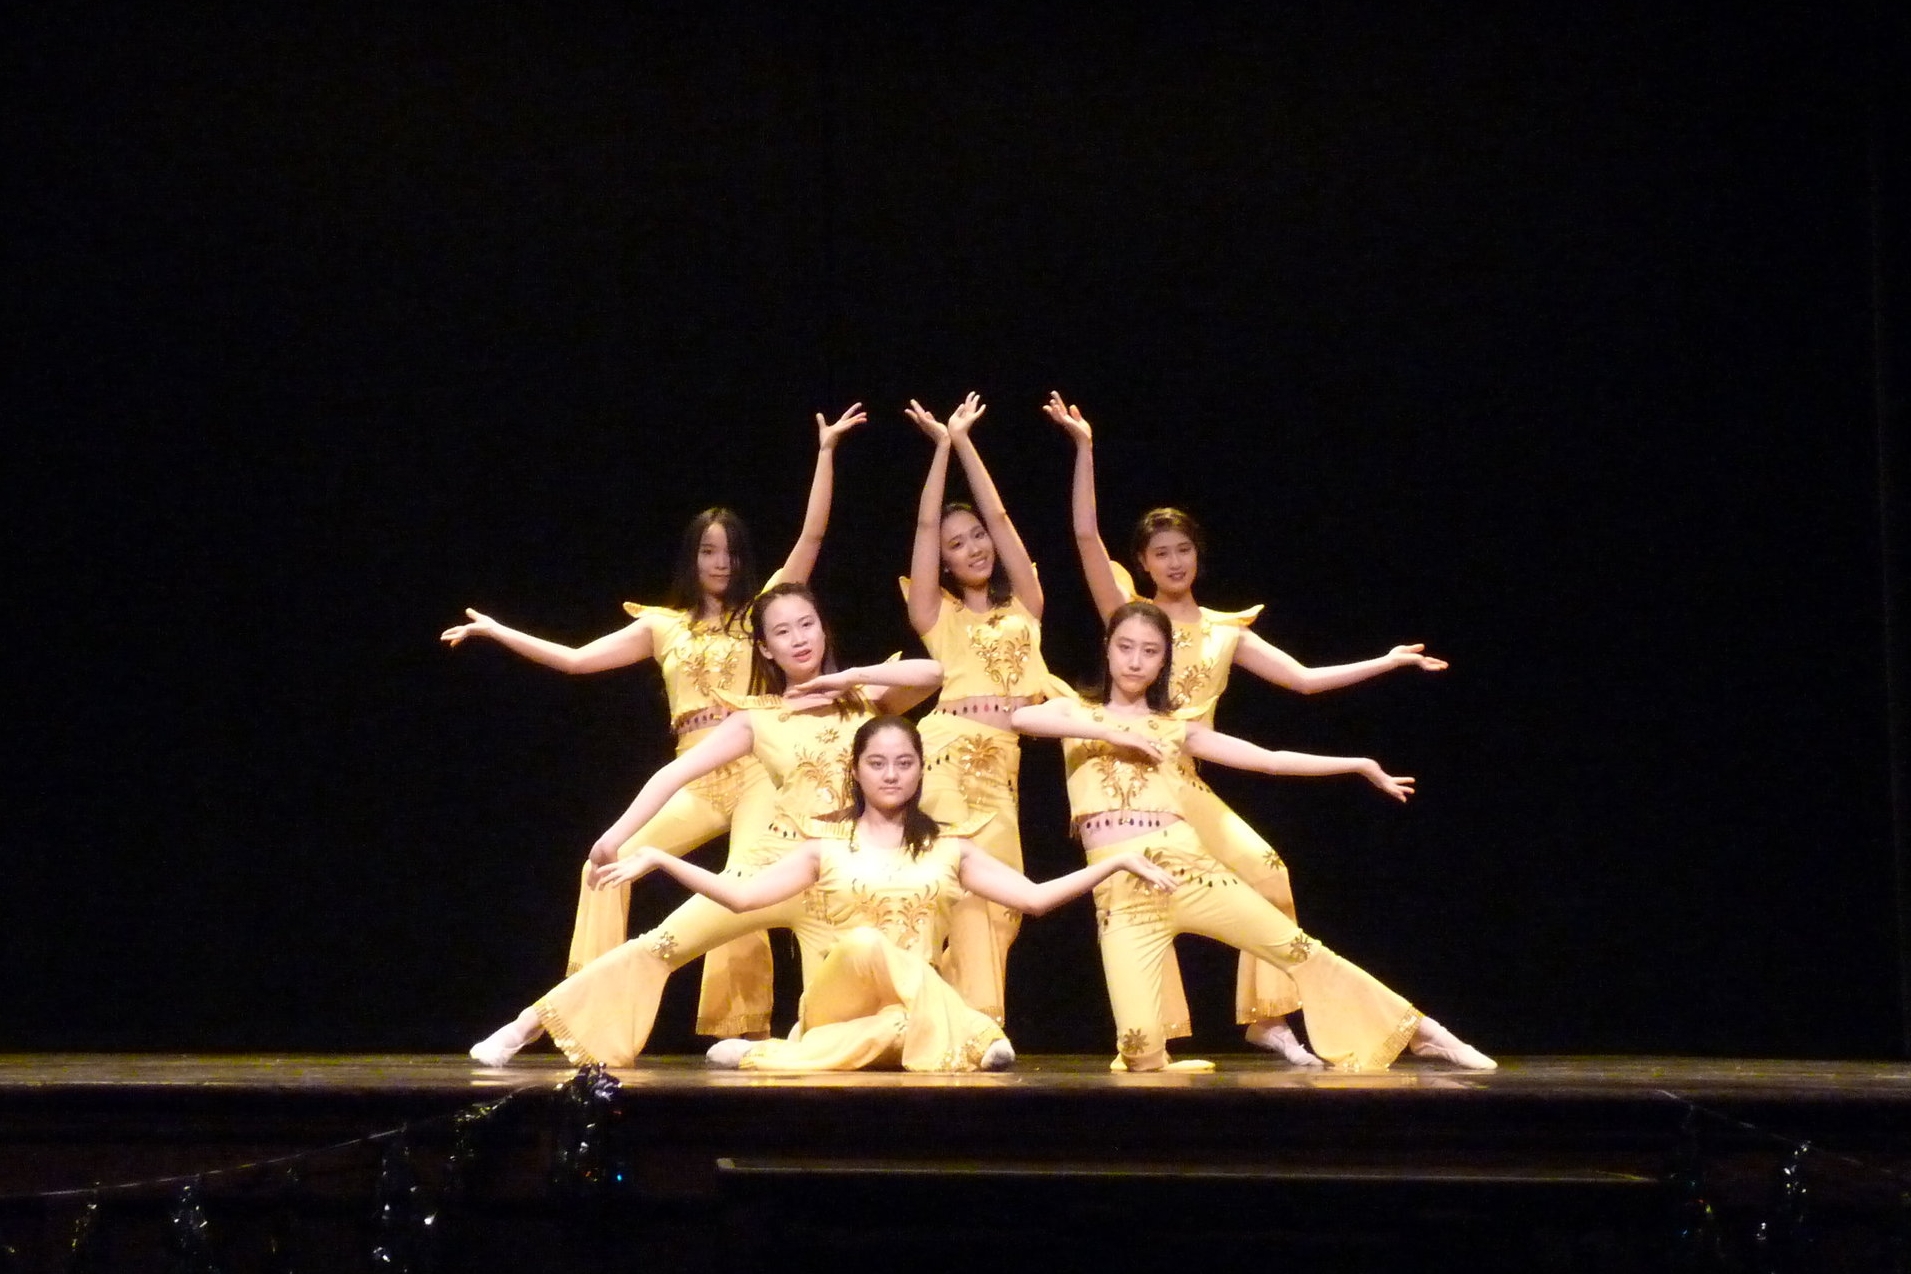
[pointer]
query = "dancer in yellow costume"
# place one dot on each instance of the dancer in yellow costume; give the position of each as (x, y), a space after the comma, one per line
(1208, 645)
(884, 879)
(702, 650)
(1124, 752)
(798, 725)
(976, 603)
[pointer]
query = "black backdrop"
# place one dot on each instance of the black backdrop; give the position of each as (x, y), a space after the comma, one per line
(1549, 341)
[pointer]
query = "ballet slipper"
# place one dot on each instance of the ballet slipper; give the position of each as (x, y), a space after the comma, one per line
(728, 1054)
(999, 1057)
(1431, 1039)
(498, 1048)
(1276, 1036)
(1186, 1066)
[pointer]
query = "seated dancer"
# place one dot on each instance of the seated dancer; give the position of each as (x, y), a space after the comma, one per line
(1123, 751)
(1208, 645)
(700, 641)
(884, 879)
(797, 725)
(976, 603)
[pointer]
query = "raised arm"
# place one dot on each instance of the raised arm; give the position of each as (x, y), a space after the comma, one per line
(633, 643)
(789, 876)
(1009, 549)
(925, 558)
(731, 740)
(1225, 749)
(1000, 883)
(1102, 585)
(1271, 663)
(809, 541)
(899, 684)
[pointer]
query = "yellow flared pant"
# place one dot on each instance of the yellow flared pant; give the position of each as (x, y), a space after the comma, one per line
(874, 1004)
(1353, 1021)
(737, 979)
(971, 770)
(604, 1012)
(1261, 989)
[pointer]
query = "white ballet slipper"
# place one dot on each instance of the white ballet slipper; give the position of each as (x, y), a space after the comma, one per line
(1436, 1041)
(499, 1047)
(728, 1054)
(1276, 1036)
(999, 1057)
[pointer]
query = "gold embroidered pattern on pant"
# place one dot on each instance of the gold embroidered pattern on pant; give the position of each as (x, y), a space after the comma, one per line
(662, 944)
(1133, 1042)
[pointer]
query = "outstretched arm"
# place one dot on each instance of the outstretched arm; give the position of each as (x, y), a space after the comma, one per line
(925, 558)
(1009, 549)
(1001, 883)
(1102, 585)
(1060, 719)
(809, 541)
(1225, 749)
(1271, 663)
(789, 876)
(899, 685)
(630, 644)
(731, 740)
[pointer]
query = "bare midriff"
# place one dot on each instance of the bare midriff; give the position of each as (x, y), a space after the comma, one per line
(1114, 826)
(992, 710)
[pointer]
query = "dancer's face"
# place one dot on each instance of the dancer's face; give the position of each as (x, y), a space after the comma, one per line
(889, 770)
(793, 637)
(967, 551)
(714, 563)
(1135, 653)
(1170, 560)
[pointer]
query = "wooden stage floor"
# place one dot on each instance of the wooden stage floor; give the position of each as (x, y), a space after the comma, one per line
(1256, 1150)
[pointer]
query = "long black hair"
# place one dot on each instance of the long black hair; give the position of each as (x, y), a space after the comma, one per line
(1158, 693)
(1166, 518)
(1000, 590)
(765, 676)
(919, 831)
(686, 593)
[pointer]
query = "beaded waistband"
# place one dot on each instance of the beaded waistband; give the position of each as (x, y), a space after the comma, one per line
(699, 719)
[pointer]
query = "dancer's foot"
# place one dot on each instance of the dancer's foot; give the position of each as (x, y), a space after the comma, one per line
(999, 1057)
(728, 1054)
(1436, 1041)
(499, 1047)
(1276, 1036)
(1187, 1066)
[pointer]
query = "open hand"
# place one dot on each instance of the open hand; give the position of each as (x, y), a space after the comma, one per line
(1398, 786)
(480, 626)
(1069, 418)
(1134, 747)
(926, 421)
(625, 870)
(1413, 657)
(1149, 872)
(967, 412)
(827, 436)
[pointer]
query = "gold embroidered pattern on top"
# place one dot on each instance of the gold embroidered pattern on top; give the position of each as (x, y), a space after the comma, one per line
(1121, 781)
(1003, 650)
(900, 917)
(826, 774)
(977, 758)
(709, 663)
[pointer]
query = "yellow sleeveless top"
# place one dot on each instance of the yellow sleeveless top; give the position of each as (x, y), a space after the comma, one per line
(806, 754)
(908, 901)
(697, 659)
(1101, 780)
(993, 652)
(1203, 654)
